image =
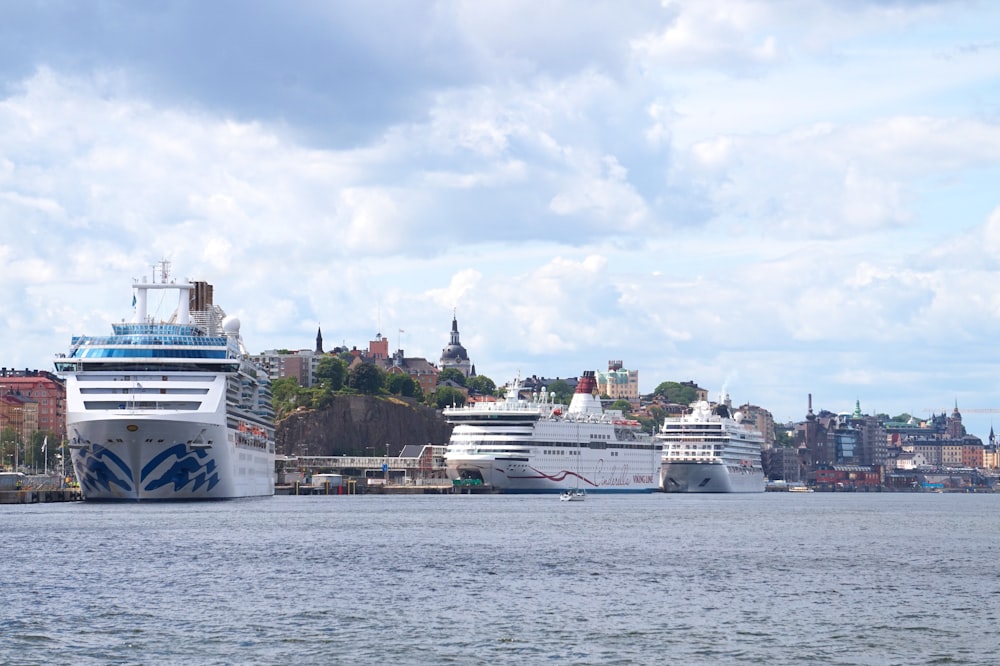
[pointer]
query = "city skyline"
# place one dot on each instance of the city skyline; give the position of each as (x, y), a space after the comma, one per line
(777, 203)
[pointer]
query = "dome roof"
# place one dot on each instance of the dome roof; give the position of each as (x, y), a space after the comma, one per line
(454, 353)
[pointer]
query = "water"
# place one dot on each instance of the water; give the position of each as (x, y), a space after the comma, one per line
(776, 578)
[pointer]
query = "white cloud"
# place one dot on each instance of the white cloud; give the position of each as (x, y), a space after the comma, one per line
(728, 192)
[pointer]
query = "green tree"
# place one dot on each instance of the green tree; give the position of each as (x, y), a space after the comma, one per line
(10, 441)
(481, 384)
(318, 397)
(454, 374)
(563, 391)
(657, 414)
(447, 396)
(331, 371)
(366, 378)
(285, 395)
(676, 393)
(400, 384)
(623, 405)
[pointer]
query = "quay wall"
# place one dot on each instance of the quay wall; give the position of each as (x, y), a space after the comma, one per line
(40, 496)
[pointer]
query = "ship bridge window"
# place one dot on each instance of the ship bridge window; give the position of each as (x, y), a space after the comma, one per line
(117, 405)
(128, 352)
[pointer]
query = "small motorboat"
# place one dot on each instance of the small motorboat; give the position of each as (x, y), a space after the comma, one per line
(575, 495)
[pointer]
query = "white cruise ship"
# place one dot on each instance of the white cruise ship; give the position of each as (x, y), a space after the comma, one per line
(169, 410)
(707, 451)
(532, 445)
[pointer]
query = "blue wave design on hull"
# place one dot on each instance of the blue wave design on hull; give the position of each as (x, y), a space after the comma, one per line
(98, 475)
(189, 468)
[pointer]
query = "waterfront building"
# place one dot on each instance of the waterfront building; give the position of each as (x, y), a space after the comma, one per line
(18, 423)
(300, 364)
(955, 429)
(947, 452)
(619, 384)
(991, 459)
(811, 436)
(872, 447)
(534, 385)
(699, 392)
(378, 349)
(843, 439)
(782, 463)
(44, 392)
(420, 369)
(849, 476)
(763, 422)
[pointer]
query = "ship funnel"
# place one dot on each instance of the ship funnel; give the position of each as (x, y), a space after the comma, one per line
(584, 401)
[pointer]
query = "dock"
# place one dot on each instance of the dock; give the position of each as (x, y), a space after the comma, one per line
(31, 496)
(349, 488)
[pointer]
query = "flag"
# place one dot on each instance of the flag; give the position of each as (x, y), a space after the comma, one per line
(133, 300)
(45, 444)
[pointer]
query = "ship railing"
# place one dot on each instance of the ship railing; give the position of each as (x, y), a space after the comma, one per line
(359, 462)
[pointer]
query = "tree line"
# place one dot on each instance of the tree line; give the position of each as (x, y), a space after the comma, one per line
(333, 377)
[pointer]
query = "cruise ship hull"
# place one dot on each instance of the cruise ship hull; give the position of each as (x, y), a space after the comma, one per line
(150, 459)
(528, 475)
(706, 477)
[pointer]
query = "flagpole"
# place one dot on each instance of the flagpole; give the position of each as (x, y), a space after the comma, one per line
(45, 450)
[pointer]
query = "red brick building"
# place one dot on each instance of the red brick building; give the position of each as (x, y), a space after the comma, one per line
(45, 390)
(849, 476)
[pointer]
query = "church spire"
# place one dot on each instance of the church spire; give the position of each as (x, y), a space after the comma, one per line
(454, 327)
(319, 340)
(454, 355)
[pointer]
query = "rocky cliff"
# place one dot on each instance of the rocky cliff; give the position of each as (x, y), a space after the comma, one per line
(360, 425)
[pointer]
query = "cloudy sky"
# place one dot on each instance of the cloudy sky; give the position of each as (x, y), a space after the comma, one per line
(778, 198)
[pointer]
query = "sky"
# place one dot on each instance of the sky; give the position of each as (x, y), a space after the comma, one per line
(774, 199)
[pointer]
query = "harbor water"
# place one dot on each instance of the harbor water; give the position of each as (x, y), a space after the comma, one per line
(775, 578)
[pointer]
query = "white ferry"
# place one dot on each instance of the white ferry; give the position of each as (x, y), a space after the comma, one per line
(707, 451)
(169, 410)
(533, 445)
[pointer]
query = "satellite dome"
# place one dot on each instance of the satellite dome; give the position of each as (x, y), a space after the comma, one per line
(231, 325)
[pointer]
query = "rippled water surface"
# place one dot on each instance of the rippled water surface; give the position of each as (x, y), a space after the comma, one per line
(775, 578)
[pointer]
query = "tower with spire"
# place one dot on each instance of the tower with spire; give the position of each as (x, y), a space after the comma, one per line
(954, 426)
(454, 355)
(319, 340)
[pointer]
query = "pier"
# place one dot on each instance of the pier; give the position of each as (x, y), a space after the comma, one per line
(31, 496)
(418, 470)
(351, 487)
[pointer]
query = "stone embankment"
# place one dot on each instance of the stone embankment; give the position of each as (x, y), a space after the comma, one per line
(361, 425)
